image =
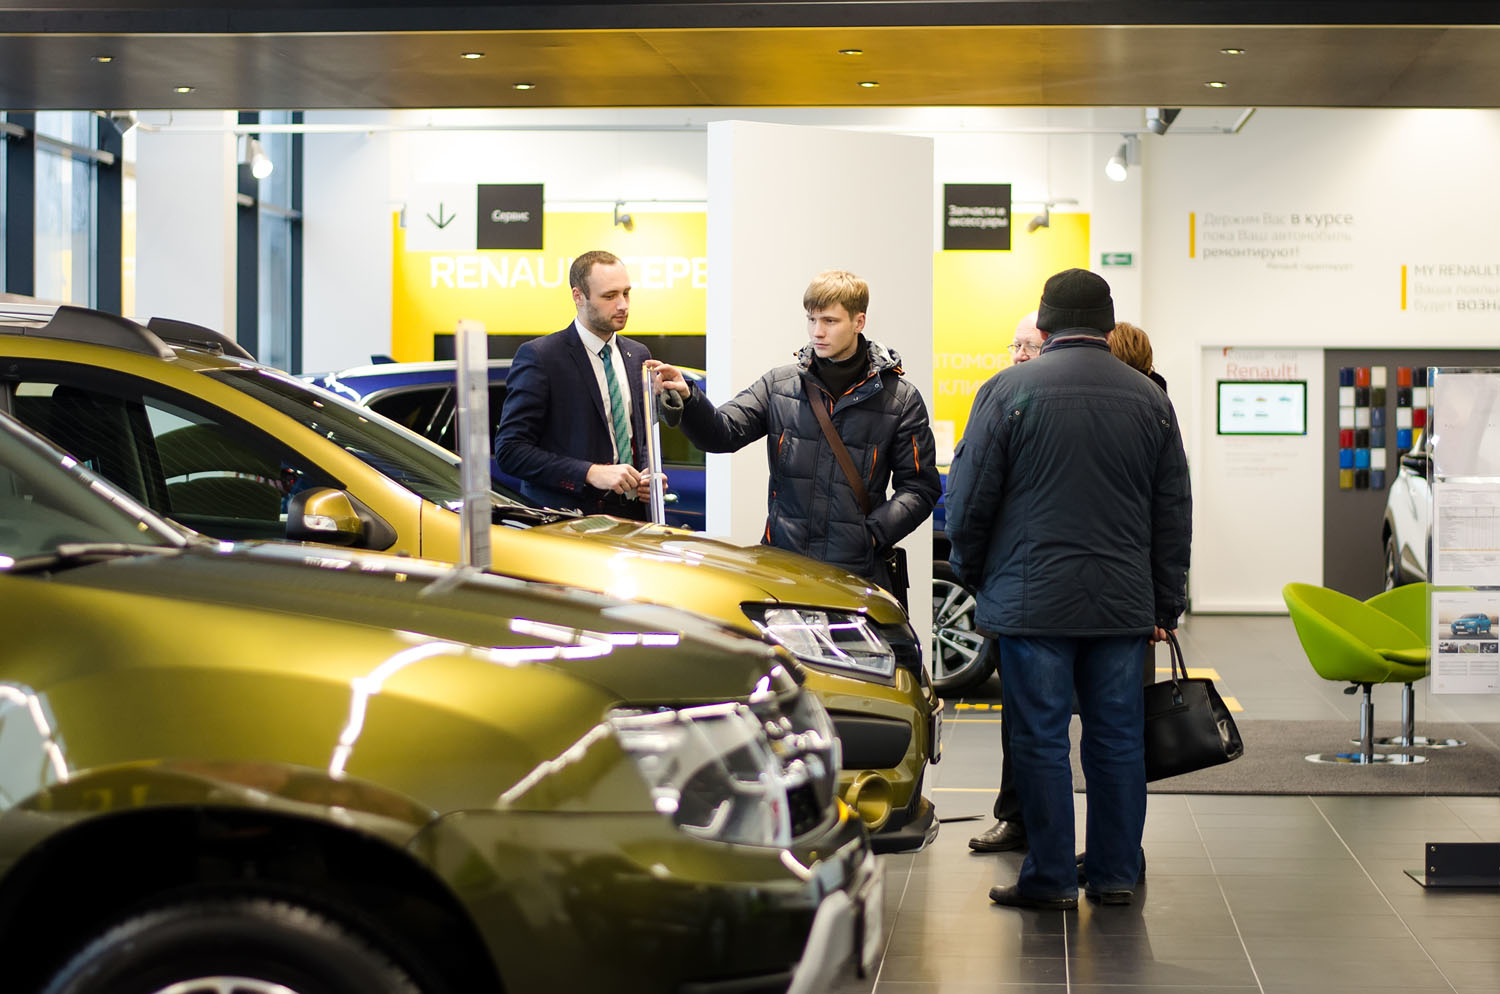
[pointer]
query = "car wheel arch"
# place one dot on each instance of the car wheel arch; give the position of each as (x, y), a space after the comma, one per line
(131, 860)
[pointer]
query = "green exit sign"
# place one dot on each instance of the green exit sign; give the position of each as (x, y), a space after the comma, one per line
(1117, 259)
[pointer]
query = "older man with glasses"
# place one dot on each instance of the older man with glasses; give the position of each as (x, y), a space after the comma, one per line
(1009, 831)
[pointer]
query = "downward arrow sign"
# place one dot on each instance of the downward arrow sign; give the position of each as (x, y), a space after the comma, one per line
(440, 221)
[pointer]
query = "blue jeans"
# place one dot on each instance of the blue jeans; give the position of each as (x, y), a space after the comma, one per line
(1038, 679)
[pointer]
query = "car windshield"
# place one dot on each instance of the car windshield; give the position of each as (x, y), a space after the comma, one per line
(48, 500)
(426, 469)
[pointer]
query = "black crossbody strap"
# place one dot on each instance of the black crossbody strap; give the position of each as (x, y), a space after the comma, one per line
(837, 445)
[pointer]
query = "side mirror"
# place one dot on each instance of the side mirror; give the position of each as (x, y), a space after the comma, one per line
(324, 515)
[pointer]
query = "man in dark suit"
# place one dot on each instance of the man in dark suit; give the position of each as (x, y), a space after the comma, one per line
(573, 427)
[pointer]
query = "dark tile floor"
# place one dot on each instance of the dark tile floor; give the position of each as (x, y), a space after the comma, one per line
(1280, 895)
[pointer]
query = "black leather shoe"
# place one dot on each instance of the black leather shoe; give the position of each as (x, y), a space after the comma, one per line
(1004, 836)
(1139, 880)
(1010, 897)
(1108, 896)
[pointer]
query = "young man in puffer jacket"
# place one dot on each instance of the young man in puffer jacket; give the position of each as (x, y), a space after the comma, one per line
(881, 418)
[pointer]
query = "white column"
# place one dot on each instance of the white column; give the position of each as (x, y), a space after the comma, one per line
(348, 204)
(185, 220)
(784, 204)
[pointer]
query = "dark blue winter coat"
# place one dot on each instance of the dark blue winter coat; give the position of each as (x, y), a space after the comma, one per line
(1068, 503)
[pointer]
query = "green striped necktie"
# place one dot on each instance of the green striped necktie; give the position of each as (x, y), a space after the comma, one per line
(616, 410)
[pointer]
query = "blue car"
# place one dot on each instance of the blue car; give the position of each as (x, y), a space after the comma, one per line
(1470, 624)
(420, 395)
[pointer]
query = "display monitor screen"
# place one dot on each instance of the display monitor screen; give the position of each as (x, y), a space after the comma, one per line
(1262, 407)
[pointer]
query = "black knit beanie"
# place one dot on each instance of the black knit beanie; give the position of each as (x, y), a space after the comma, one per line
(1076, 298)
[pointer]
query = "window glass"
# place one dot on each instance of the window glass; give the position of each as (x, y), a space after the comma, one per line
(43, 505)
(184, 460)
(413, 462)
(127, 223)
(64, 210)
(275, 289)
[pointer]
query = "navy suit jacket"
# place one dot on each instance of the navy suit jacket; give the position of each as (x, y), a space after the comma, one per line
(554, 426)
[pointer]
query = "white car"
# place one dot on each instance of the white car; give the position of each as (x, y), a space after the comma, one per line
(1407, 532)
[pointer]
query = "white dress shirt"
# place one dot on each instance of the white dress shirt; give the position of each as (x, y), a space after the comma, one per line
(593, 346)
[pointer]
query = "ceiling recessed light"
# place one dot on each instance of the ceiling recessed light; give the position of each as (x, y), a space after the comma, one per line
(183, 89)
(1216, 84)
(471, 55)
(523, 86)
(103, 60)
(1231, 51)
(869, 84)
(851, 51)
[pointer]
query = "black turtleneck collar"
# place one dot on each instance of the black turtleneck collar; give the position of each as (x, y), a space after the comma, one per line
(838, 375)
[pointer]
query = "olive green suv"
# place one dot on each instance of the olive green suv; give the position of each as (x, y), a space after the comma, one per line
(185, 422)
(272, 768)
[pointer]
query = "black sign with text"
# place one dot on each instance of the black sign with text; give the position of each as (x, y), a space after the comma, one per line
(976, 216)
(510, 216)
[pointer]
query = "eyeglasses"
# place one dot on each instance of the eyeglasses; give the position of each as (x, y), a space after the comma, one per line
(1018, 347)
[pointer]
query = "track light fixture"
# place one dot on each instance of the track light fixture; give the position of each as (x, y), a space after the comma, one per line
(255, 154)
(1042, 220)
(1128, 154)
(621, 218)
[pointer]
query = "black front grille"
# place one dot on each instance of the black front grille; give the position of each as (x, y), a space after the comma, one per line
(872, 743)
(805, 809)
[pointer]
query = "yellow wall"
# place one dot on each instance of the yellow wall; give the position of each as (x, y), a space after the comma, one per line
(977, 296)
(526, 292)
(977, 299)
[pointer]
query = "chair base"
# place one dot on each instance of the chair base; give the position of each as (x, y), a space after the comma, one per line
(1366, 759)
(1415, 742)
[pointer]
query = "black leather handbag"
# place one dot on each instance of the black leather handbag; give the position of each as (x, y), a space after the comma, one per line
(1188, 726)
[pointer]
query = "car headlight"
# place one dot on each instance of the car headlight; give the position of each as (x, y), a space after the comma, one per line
(711, 770)
(841, 639)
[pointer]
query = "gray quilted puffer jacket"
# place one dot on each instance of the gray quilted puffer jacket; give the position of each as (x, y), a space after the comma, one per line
(811, 506)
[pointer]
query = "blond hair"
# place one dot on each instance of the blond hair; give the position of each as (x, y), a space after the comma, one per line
(837, 286)
(1131, 346)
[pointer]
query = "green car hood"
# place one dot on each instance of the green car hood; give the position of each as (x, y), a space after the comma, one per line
(445, 689)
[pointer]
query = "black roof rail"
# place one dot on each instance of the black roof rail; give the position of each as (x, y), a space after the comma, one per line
(187, 333)
(80, 324)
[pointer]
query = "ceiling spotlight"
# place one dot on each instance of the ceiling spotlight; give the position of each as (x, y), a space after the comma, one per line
(260, 163)
(1042, 220)
(869, 84)
(1216, 84)
(471, 55)
(1115, 168)
(523, 86)
(1231, 51)
(1128, 154)
(103, 60)
(183, 89)
(621, 218)
(851, 51)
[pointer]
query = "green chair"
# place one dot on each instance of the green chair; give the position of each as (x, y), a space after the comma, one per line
(1348, 640)
(1408, 605)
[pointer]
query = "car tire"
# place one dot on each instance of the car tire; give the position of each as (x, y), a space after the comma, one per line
(1393, 578)
(244, 945)
(962, 659)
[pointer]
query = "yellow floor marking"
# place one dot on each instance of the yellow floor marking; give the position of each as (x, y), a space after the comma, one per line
(1194, 672)
(1233, 704)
